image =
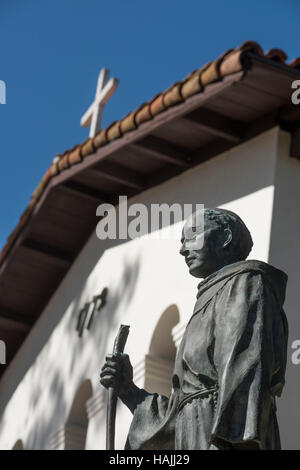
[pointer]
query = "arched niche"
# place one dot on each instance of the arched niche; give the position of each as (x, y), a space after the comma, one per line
(18, 445)
(159, 362)
(77, 422)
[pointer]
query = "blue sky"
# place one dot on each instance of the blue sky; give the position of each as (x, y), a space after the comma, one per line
(51, 52)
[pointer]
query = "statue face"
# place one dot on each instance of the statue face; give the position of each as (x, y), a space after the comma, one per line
(200, 241)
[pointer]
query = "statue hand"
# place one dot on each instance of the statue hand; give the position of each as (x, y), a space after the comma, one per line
(117, 372)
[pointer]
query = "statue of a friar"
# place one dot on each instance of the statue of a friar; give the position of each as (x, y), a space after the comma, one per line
(231, 362)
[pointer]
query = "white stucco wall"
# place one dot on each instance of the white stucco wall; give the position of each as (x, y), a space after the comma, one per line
(144, 277)
(285, 254)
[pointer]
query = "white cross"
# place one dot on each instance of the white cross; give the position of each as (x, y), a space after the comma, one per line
(105, 89)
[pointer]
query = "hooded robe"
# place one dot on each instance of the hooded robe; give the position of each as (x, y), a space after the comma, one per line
(229, 368)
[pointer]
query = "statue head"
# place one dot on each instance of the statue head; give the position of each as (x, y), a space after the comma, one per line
(212, 239)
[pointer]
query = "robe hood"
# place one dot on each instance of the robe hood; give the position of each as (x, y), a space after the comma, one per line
(276, 278)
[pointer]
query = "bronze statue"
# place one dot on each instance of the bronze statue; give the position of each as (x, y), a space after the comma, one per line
(231, 362)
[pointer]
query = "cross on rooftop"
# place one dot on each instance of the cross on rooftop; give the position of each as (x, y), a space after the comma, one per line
(105, 89)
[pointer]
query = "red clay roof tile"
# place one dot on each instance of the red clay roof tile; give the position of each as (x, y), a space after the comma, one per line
(75, 156)
(192, 84)
(63, 163)
(173, 96)
(251, 46)
(295, 63)
(87, 148)
(100, 139)
(114, 131)
(276, 54)
(54, 169)
(128, 123)
(157, 106)
(144, 114)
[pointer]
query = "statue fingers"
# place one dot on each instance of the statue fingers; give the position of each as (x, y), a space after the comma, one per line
(108, 371)
(108, 381)
(114, 358)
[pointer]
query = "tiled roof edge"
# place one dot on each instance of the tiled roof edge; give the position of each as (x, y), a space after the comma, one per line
(228, 63)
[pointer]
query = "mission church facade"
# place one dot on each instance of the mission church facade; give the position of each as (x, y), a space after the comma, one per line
(225, 136)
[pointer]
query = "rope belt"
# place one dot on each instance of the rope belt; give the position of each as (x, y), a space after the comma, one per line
(200, 394)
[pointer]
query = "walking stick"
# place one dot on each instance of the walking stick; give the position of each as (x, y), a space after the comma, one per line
(119, 345)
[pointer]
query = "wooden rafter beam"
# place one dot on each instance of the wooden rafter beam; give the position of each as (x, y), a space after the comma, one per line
(216, 124)
(118, 173)
(48, 254)
(14, 320)
(86, 192)
(160, 149)
(290, 113)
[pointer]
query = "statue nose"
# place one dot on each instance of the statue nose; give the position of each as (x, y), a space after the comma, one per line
(183, 250)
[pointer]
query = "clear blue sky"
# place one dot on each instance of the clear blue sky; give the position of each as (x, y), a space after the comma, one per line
(51, 52)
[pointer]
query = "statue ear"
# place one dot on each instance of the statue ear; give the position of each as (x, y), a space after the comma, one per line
(228, 237)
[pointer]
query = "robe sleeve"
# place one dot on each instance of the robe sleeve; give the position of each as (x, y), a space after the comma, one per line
(249, 357)
(152, 426)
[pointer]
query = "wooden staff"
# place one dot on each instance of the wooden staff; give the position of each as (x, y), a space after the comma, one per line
(119, 345)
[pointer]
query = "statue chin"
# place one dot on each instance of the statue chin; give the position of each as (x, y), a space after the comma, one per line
(199, 269)
(194, 271)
